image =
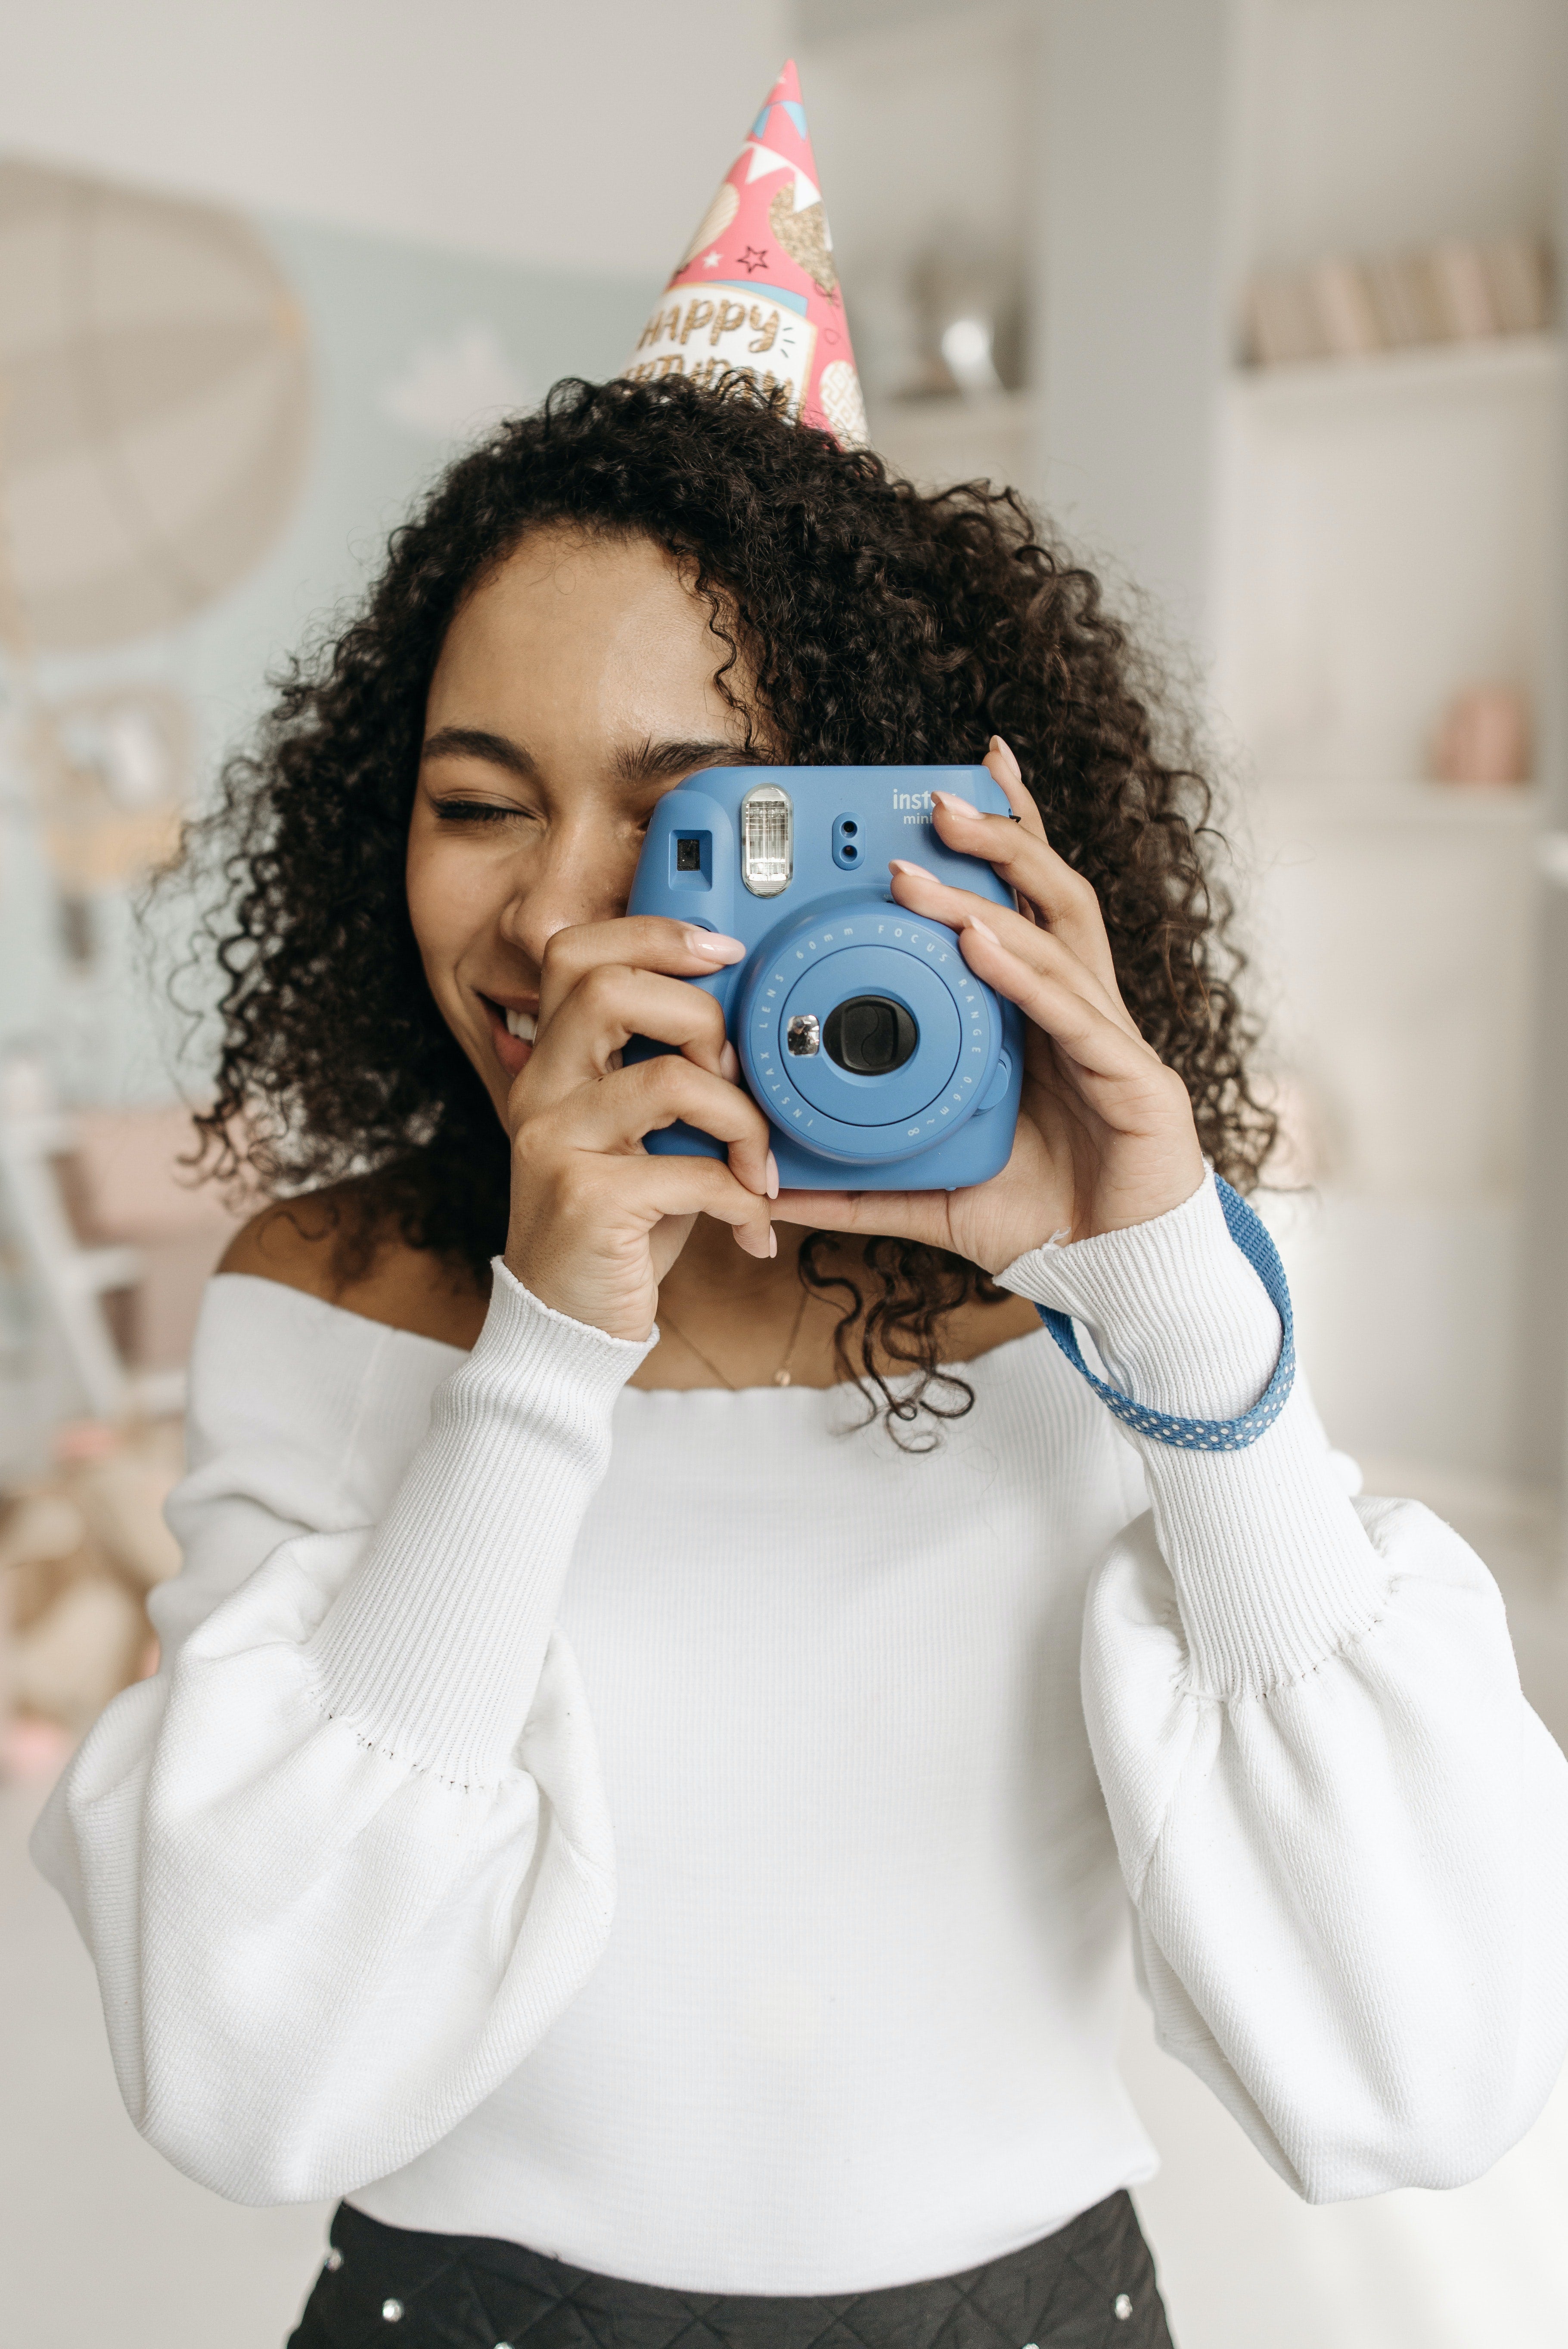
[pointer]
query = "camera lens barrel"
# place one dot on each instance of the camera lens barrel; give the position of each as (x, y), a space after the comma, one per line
(865, 1032)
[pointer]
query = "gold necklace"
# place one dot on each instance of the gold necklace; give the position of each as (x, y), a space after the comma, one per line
(780, 1376)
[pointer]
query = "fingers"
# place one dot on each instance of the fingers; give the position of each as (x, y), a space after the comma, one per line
(572, 1206)
(1040, 949)
(1104, 1049)
(1022, 856)
(893, 1215)
(685, 1186)
(608, 1007)
(1004, 771)
(611, 1115)
(582, 1117)
(639, 942)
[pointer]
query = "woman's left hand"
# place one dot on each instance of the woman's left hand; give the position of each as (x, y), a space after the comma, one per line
(1105, 1136)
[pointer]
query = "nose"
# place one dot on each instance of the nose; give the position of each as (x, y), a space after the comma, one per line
(584, 875)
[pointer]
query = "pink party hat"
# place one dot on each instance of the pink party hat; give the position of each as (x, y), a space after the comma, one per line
(757, 290)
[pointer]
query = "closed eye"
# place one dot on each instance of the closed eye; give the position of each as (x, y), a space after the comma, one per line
(475, 810)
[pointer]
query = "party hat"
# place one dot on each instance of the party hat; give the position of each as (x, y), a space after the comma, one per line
(757, 292)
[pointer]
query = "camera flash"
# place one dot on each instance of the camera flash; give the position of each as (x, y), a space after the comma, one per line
(767, 840)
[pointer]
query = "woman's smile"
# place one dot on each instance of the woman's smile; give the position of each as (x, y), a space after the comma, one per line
(513, 1023)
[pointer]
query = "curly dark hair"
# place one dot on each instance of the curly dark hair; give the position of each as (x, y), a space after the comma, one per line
(874, 624)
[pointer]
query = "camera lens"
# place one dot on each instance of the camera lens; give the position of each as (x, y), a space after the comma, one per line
(870, 1036)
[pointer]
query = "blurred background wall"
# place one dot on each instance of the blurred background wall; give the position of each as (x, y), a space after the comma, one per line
(1257, 297)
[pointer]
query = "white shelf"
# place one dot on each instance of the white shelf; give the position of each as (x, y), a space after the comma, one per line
(1508, 363)
(1368, 807)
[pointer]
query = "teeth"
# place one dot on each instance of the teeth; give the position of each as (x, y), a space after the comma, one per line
(523, 1025)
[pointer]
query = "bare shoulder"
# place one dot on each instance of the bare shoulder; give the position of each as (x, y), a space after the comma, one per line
(294, 1241)
(319, 1243)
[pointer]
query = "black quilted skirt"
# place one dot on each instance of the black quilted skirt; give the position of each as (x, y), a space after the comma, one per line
(1089, 2286)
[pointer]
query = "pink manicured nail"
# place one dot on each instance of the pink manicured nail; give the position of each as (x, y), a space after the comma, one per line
(953, 805)
(974, 923)
(901, 864)
(730, 1062)
(772, 1176)
(1006, 749)
(712, 944)
(772, 1241)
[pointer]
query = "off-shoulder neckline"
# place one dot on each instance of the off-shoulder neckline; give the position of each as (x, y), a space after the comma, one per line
(650, 1394)
(308, 1297)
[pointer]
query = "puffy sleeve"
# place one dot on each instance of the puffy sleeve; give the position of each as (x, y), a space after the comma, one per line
(345, 1858)
(1344, 1832)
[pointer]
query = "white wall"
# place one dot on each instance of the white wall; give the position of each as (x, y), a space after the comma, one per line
(586, 135)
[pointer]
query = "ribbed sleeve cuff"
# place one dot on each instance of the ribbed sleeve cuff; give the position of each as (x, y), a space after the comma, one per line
(1181, 1319)
(1272, 1570)
(433, 1649)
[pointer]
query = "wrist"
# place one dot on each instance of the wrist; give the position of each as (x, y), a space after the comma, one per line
(1125, 1207)
(572, 1315)
(1179, 1317)
(585, 1298)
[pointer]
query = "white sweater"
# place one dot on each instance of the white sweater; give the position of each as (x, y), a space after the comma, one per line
(672, 1832)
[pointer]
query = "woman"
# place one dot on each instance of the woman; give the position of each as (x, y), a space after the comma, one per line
(644, 1842)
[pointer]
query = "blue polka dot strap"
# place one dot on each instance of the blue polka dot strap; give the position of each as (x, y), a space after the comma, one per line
(1206, 1434)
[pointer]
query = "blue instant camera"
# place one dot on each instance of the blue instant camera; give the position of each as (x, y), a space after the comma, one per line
(882, 1062)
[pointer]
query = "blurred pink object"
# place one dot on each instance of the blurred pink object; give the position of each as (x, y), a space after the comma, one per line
(130, 1184)
(86, 1439)
(126, 1185)
(1484, 738)
(31, 1749)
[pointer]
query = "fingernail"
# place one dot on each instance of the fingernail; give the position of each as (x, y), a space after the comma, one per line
(974, 923)
(1007, 753)
(772, 1241)
(901, 864)
(772, 1176)
(955, 806)
(715, 945)
(730, 1062)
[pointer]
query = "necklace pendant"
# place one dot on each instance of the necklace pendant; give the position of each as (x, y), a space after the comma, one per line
(782, 1377)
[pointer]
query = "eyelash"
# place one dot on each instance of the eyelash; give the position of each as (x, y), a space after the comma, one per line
(474, 812)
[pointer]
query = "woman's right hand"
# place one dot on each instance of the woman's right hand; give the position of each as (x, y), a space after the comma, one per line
(597, 1221)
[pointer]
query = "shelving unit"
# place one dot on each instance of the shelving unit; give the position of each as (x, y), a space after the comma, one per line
(1526, 362)
(1385, 539)
(1386, 536)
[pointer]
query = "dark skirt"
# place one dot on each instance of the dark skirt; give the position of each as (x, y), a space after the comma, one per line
(1090, 2285)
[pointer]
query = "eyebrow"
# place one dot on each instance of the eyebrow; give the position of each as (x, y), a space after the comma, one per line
(648, 761)
(473, 742)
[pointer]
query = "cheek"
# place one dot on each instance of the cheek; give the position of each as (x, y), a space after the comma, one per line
(453, 898)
